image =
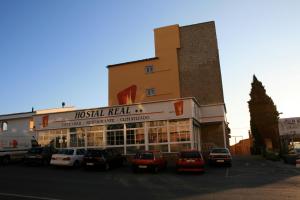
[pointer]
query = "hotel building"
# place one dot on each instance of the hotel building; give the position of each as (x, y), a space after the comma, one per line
(169, 102)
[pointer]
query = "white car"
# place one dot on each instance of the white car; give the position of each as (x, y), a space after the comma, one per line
(68, 157)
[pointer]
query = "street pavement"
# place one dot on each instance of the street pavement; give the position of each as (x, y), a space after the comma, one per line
(250, 177)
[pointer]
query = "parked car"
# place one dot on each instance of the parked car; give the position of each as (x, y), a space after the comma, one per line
(148, 160)
(39, 155)
(190, 161)
(103, 159)
(291, 156)
(68, 157)
(220, 156)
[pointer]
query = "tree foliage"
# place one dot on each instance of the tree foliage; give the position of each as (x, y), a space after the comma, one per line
(263, 117)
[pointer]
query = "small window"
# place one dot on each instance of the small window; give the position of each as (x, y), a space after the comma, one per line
(31, 125)
(4, 126)
(149, 69)
(150, 92)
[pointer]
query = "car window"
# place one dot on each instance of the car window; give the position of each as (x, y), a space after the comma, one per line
(66, 151)
(219, 151)
(46, 150)
(80, 152)
(192, 154)
(145, 156)
(36, 150)
(109, 152)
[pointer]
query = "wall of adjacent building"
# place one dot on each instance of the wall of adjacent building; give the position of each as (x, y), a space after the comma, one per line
(199, 67)
(165, 77)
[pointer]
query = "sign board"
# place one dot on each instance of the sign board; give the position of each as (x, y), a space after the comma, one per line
(289, 126)
(164, 110)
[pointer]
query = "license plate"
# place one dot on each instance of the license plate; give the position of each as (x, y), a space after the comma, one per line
(142, 166)
(190, 161)
(32, 157)
(221, 161)
(90, 164)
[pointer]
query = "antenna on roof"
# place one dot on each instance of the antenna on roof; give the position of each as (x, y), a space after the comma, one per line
(32, 109)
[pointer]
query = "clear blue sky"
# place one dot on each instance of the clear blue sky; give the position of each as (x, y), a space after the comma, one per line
(57, 50)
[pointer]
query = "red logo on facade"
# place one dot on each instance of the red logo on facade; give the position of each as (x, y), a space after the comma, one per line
(127, 96)
(178, 108)
(14, 143)
(45, 121)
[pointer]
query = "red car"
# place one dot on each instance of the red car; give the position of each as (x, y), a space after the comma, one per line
(148, 160)
(190, 161)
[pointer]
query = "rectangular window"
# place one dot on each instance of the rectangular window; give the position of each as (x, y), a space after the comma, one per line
(115, 137)
(149, 69)
(31, 125)
(150, 92)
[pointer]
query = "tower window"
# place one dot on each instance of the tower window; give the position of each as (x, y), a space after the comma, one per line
(4, 126)
(150, 92)
(149, 69)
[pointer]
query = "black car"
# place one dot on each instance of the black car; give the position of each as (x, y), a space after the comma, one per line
(291, 156)
(102, 159)
(39, 155)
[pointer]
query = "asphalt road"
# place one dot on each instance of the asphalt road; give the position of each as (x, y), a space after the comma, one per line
(248, 178)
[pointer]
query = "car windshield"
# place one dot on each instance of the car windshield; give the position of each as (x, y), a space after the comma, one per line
(36, 150)
(66, 151)
(94, 153)
(219, 151)
(192, 154)
(145, 156)
(297, 151)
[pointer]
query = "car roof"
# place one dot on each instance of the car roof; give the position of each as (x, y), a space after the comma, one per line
(149, 151)
(189, 151)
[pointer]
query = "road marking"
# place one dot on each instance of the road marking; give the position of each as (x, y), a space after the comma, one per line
(26, 196)
(227, 172)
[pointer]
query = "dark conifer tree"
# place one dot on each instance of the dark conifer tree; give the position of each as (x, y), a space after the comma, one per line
(263, 117)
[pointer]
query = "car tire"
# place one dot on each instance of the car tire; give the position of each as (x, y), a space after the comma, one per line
(134, 169)
(45, 162)
(5, 160)
(106, 167)
(155, 169)
(76, 164)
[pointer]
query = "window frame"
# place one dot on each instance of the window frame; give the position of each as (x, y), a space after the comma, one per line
(150, 92)
(2, 126)
(149, 69)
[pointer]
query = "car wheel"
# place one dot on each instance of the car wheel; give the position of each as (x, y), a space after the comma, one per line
(134, 169)
(106, 166)
(155, 169)
(76, 164)
(45, 162)
(5, 160)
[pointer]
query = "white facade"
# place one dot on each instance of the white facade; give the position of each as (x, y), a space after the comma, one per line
(169, 126)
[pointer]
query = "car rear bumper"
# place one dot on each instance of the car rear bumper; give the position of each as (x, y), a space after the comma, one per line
(61, 163)
(220, 161)
(33, 160)
(190, 168)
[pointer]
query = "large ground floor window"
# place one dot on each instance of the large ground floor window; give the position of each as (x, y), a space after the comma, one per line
(164, 135)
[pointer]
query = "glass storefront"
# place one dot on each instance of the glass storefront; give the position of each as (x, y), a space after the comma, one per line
(165, 135)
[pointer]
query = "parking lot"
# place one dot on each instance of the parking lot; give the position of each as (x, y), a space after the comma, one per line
(249, 178)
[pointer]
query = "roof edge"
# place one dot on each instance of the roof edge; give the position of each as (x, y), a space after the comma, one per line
(135, 61)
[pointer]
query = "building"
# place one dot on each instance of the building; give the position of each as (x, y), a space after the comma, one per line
(170, 102)
(186, 64)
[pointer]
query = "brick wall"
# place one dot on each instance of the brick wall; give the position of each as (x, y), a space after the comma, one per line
(199, 68)
(211, 136)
